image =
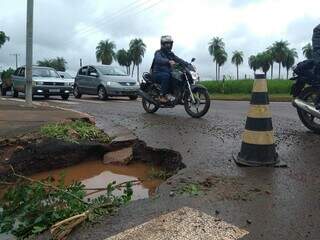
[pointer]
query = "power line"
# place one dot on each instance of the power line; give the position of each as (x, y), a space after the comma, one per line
(126, 9)
(102, 19)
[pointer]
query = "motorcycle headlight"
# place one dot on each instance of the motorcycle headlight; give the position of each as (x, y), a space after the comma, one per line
(194, 75)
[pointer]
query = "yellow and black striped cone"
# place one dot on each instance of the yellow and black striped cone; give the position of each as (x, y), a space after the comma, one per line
(258, 147)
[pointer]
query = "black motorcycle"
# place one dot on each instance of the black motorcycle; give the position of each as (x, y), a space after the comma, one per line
(306, 93)
(194, 97)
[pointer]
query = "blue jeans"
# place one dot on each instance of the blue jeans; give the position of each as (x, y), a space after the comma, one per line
(164, 79)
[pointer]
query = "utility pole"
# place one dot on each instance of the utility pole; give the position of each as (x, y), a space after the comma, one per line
(80, 62)
(16, 55)
(29, 52)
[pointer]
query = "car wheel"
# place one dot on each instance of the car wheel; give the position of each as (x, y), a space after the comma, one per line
(76, 92)
(65, 96)
(133, 97)
(102, 93)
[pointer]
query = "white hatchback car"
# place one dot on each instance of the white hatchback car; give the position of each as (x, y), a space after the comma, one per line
(45, 82)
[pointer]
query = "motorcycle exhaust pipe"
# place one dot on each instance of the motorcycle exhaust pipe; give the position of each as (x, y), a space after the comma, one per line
(147, 97)
(298, 103)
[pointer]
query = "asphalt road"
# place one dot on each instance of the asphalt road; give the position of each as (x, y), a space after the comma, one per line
(270, 203)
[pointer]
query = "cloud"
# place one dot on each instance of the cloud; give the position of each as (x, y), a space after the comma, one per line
(72, 29)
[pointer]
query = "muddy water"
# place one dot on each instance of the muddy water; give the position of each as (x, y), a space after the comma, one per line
(95, 174)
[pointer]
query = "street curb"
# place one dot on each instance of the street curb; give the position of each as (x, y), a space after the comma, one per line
(91, 118)
(85, 115)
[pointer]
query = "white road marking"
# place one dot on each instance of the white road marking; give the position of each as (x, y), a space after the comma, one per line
(184, 223)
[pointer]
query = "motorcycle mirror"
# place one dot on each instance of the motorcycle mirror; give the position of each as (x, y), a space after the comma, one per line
(193, 59)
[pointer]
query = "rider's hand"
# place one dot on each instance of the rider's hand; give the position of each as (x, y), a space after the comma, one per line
(172, 63)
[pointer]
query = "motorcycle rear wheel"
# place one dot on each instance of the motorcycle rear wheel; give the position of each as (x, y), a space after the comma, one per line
(148, 106)
(309, 94)
(201, 97)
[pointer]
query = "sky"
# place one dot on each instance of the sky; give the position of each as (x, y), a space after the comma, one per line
(72, 28)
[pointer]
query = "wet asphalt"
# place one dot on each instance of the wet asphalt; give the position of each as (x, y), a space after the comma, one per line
(270, 203)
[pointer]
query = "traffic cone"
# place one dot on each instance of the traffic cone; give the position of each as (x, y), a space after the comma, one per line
(258, 147)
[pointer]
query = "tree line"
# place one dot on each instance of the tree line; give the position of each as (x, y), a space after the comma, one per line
(106, 53)
(279, 52)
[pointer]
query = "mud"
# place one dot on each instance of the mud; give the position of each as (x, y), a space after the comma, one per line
(95, 174)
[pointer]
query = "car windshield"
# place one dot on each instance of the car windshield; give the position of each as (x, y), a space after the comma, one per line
(66, 75)
(112, 71)
(44, 72)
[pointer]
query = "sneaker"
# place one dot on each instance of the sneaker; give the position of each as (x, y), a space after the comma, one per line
(163, 99)
(170, 97)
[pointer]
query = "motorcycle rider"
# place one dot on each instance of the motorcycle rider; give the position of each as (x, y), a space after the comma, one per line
(316, 43)
(316, 58)
(164, 60)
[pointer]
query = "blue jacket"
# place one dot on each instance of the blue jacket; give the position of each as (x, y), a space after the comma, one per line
(161, 61)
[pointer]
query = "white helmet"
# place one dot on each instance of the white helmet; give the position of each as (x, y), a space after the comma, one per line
(166, 42)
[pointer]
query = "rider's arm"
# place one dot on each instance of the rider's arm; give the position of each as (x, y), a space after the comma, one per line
(179, 60)
(159, 59)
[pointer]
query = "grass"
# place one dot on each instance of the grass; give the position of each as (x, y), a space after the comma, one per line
(191, 189)
(240, 90)
(159, 174)
(74, 132)
(247, 97)
(245, 86)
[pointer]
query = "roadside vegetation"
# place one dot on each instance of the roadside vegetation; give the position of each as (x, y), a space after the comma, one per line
(58, 63)
(277, 53)
(279, 90)
(32, 207)
(159, 174)
(245, 86)
(75, 131)
(3, 38)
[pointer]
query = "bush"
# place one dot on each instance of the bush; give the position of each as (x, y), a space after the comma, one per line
(74, 132)
(245, 86)
(6, 74)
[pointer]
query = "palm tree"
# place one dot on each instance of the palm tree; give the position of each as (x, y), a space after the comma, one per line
(58, 63)
(307, 51)
(270, 50)
(280, 51)
(122, 58)
(215, 45)
(264, 61)
(3, 38)
(105, 52)
(289, 61)
(221, 58)
(253, 63)
(237, 59)
(137, 48)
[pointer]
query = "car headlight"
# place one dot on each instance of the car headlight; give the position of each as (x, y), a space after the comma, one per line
(111, 83)
(194, 75)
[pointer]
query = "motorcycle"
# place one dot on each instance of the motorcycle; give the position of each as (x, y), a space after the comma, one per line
(306, 93)
(186, 91)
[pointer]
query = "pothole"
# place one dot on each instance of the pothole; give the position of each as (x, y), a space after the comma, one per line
(84, 162)
(96, 174)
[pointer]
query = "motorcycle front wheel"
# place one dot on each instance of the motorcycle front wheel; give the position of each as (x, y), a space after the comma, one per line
(201, 104)
(148, 106)
(309, 95)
